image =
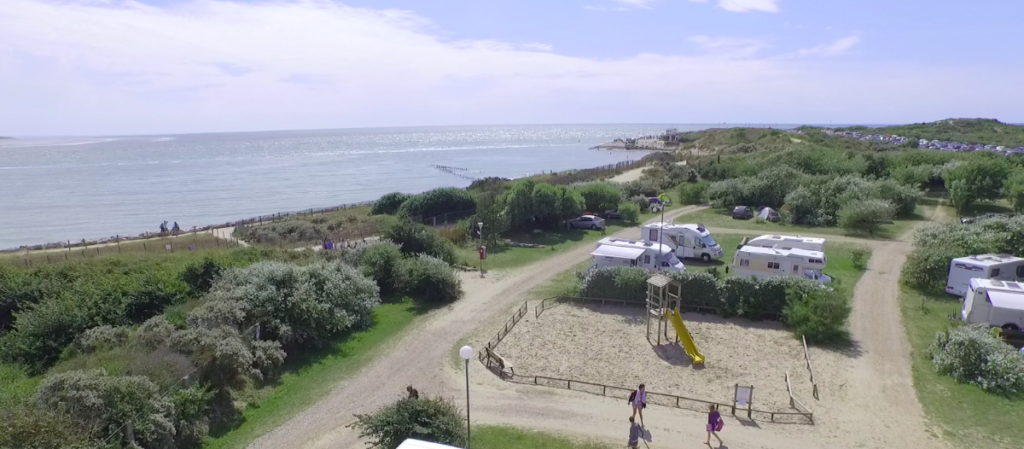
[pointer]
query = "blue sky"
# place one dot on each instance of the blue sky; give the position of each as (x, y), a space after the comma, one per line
(123, 67)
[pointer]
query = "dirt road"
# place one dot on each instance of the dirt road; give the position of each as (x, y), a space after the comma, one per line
(423, 356)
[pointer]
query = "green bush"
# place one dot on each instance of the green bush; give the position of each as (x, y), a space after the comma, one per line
(630, 213)
(101, 404)
(190, 421)
(699, 289)
(936, 245)
(32, 427)
(735, 293)
(693, 193)
(437, 202)
(427, 419)
(42, 332)
(200, 276)
(972, 355)
(865, 215)
(859, 258)
(414, 238)
(380, 261)
(389, 203)
(623, 283)
(819, 314)
(300, 305)
(430, 279)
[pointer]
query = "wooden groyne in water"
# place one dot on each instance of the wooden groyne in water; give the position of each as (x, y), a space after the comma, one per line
(457, 171)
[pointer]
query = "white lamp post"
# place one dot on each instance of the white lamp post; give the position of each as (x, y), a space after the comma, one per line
(466, 352)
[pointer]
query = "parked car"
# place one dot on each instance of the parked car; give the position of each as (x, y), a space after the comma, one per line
(742, 213)
(587, 222)
(612, 214)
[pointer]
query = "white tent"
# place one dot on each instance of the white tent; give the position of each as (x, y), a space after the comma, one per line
(765, 213)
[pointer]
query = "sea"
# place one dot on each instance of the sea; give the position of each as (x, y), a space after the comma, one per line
(74, 188)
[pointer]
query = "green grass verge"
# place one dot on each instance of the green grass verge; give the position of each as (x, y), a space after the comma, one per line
(16, 387)
(311, 380)
(713, 218)
(555, 241)
(966, 415)
(504, 437)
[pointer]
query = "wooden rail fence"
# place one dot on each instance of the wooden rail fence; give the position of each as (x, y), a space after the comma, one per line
(795, 403)
(807, 358)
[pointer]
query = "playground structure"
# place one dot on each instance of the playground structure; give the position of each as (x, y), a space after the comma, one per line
(665, 304)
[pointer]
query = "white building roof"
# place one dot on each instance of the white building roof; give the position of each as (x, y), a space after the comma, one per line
(988, 259)
(782, 252)
(410, 443)
(612, 241)
(618, 252)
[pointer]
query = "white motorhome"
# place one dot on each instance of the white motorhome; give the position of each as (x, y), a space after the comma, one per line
(994, 303)
(763, 262)
(787, 242)
(687, 240)
(1003, 267)
(612, 251)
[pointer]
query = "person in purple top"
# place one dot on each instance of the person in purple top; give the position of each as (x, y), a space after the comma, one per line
(634, 434)
(714, 424)
(638, 399)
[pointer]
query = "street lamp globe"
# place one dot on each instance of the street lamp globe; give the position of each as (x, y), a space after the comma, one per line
(466, 353)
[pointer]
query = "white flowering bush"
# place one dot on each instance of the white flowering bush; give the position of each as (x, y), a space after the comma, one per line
(972, 355)
(936, 245)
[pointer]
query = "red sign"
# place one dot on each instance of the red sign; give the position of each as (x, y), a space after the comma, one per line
(483, 252)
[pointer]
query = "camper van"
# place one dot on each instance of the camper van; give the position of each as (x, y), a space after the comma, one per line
(787, 242)
(613, 252)
(1003, 267)
(763, 262)
(994, 303)
(687, 240)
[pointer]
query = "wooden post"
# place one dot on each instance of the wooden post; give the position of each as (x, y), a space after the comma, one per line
(750, 402)
(129, 433)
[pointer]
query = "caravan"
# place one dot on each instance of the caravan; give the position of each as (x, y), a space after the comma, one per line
(687, 240)
(762, 262)
(994, 303)
(787, 242)
(1002, 267)
(615, 252)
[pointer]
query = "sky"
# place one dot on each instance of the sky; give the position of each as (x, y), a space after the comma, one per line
(115, 67)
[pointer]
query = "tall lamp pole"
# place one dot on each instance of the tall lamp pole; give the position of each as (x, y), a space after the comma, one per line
(466, 352)
(661, 232)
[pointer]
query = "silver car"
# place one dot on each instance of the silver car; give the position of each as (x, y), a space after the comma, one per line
(587, 222)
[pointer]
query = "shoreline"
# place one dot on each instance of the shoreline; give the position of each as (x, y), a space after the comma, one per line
(86, 243)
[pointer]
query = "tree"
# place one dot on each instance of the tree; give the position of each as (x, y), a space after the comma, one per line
(865, 215)
(519, 200)
(414, 238)
(570, 203)
(1014, 190)
(630, 212)
(491, 212)
(389, 203)
(545, 203)
(600, 196)
(437, 202)
(973, 180)
(427, 419)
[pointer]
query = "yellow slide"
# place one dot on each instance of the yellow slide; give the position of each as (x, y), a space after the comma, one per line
(684, 336)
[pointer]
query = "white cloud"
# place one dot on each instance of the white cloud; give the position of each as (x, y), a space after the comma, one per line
(836, 48)
(736, 47)
(749, 5)
(120, 67)
(637, 3)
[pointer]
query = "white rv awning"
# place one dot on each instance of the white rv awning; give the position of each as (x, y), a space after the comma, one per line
(618, 252)
(1006, 300)
(418, 444)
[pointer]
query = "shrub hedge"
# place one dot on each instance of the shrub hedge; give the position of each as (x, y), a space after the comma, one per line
(936, 245)
(437, 202)
(389, 203)
(972, 355)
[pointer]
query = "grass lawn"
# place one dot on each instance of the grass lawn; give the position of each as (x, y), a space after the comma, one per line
(16, 387)
(310, 379)
(713, 218)
(504, 437)
(554, 241)
(180, 244)
(966, 415)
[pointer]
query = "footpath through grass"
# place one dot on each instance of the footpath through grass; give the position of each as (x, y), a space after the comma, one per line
(966, 415)
(713, 218)
(311, 379)
(504, 437)
(555, 241)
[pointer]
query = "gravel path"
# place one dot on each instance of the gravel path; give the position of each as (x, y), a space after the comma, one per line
(423, 356)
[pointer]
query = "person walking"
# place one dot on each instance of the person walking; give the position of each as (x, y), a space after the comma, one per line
(715, 424)
(638, 399)
(634, 434)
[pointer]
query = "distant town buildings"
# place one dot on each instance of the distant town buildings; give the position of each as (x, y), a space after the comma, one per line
(940, 145)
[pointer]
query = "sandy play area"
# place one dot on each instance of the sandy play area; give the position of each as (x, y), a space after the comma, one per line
(608, 345)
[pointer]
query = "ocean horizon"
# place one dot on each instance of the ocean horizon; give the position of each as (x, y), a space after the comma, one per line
(73, 188)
